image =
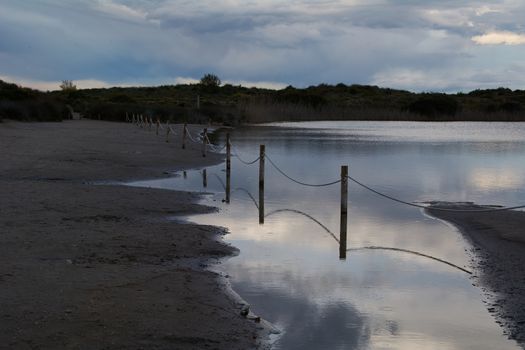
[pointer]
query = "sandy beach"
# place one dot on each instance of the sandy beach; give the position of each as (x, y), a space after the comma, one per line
(90, 266)
(498, 258)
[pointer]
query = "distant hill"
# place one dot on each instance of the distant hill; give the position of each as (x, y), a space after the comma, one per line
(232, 105)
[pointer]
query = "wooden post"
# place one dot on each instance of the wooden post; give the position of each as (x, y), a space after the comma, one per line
(168, 131)
(133, 118)
(204, 179)
(158, 126)
(204, 139)
(228, 167)
(184, 174)
(344, 212)
(127, 118)
(184, 130)
(261, 184)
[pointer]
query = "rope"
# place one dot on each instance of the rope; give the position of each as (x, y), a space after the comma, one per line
(220, 180)
(305, 215)
(236, 154)
(191, 138)
(411, 252)
(297, 181)
(249, 195)
(246, 162)
(431, 207)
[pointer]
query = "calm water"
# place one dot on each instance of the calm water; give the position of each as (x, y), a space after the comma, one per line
(289, 269)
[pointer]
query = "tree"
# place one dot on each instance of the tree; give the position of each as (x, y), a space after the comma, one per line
(67, 85)
(210, 80)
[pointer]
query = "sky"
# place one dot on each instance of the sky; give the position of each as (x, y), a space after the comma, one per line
(431, 45)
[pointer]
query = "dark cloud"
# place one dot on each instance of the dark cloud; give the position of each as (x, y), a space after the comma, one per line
(291, 42)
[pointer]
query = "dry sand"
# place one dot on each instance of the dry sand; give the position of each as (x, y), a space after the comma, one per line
(86, 266)
(498, 251)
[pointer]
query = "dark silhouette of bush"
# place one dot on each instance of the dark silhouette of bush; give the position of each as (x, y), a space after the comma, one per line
(33, 110)
(434, 105)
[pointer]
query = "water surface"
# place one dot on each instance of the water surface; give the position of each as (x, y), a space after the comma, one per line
(289, 269)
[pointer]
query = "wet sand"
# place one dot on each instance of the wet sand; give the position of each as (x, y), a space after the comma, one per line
(498, 258)
(86, 266)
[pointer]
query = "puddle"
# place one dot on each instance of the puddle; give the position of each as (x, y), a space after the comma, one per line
(404, 283)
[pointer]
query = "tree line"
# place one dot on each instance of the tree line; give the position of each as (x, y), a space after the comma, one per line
(231, 105)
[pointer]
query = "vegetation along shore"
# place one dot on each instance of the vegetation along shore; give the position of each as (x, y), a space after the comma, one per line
(232, 105)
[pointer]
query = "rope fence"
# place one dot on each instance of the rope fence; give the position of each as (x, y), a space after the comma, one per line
(204, 141)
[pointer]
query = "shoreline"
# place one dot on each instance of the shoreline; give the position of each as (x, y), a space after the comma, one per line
(497, 252)
(99, 266)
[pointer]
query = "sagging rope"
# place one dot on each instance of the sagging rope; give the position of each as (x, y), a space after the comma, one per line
(305, 215)
(249, 195)
(297, 181)
(310, 217)
(431, 207)
(411, 252)
(236, 154)
(191, 138)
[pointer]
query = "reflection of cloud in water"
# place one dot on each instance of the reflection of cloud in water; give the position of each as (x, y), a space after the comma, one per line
(495, 179)
(289, 268)
(355, 309)
(424, 236)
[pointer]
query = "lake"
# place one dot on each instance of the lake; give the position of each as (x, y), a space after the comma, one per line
(394, 297)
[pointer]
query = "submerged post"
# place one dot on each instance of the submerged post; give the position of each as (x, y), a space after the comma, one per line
(184, 131)
(168, 131)
(261, 184)
(228, 167)
(204, 139)
(204, 179)
(344, 212)
(158, 126)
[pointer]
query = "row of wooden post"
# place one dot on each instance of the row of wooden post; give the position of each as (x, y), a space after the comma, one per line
(344, 178)
(344, 193)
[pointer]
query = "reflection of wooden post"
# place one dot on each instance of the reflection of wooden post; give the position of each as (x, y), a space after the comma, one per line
(168, 131)
(344, 212)
(228, 167)
(204, 179)
(261, 184)
(184, 130)
(204, 138)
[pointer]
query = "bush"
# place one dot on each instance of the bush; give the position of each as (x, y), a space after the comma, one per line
(434, 105)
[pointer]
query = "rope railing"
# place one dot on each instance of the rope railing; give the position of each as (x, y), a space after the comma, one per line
(237, 155)
(413, 253)
(297, 181)
(142, 122)
(204, 140)
(334, 236)
(430, 207)
(307, 216)
(249, 195)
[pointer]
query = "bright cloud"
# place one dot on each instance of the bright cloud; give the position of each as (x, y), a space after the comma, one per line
(499, 38)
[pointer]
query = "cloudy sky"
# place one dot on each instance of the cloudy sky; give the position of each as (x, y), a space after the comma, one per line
(426, 45)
